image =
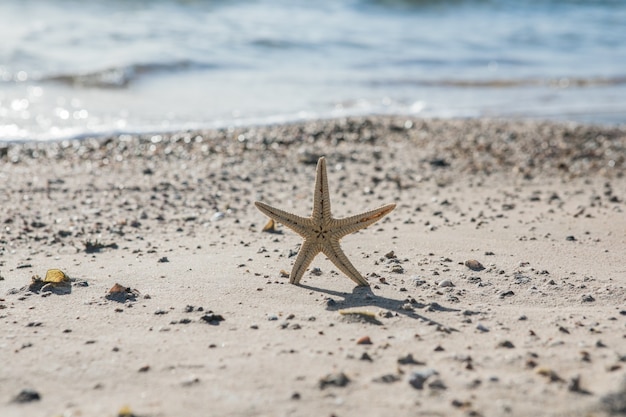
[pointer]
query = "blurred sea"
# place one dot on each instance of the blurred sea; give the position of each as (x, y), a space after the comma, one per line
(75, 68)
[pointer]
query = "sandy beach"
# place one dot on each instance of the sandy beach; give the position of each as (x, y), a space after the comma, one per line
(498, 284)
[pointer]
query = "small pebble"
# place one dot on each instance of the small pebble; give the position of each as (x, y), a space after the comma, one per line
(437, 384)
(506, 344)
(417, 378)
(26, 395)
(387, 379)
(336, 380)
(365, 340)
(446, 283)
(474, 265)
(482, 328)
(409, 360)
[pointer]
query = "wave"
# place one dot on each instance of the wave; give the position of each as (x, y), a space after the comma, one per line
(562, 82)
(122, 77)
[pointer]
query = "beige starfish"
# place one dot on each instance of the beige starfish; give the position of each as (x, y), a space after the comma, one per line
(321, 231)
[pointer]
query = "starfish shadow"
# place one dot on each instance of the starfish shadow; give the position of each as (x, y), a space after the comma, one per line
(364, 297)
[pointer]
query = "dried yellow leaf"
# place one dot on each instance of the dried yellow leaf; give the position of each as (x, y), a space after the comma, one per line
(55, 276)
(270, 227)
(125, 412)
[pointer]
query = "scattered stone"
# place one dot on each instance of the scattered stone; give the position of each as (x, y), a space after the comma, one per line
(316, 271)
(409, 360)
(121, 294)
(365, 340)
(96, 246)
(506, 294)
(588, 298)
(481, 327)
(191, 381)
(26, 395)
(336, 380)
(474, 265)
(366, 357)
(163, 259)
(212, 318)
(418, 378)
(549, 373)
(574, 386)
(571, 238)
(417, 281)
(398, 269)
(437, 384)
(217, 216)
(470, 313)
(160, 312)
(144, 368)
(445, 283)
(506, 344)
(387, 378)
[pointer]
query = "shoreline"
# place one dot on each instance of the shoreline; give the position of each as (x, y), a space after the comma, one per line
(171, 216)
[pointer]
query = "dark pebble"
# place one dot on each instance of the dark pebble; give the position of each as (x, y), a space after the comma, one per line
(437, 384)
(26, 396)
(506, 344)
(505, 294)
(387, 379)
(418, 378)
(337, 380)
(409, 360)
(213, 319)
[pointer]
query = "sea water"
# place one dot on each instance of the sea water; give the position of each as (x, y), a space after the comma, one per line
(71, 68)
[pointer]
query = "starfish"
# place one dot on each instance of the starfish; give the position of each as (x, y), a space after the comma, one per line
(321, 231)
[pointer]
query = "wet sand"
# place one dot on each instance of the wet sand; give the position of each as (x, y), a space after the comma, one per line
(207, 323)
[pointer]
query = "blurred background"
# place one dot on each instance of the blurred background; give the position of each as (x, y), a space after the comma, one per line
(73, 68)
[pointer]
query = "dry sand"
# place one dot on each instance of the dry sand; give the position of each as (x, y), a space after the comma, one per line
(540, 331)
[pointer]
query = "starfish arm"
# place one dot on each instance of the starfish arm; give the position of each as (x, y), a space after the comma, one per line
(336, 256)
(360, 221)
(296, 223)
(305, 256)
(321, 195)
